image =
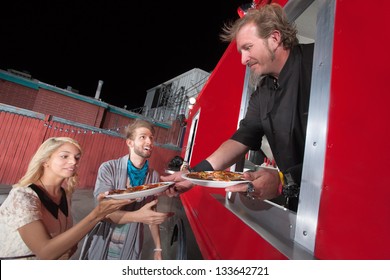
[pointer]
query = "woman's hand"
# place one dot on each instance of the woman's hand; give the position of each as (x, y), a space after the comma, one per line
(107, 206)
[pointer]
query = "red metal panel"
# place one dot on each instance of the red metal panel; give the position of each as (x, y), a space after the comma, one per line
(219, 233)
(17, 145)
(6, 122)
(20, 136)
(354, 212)
(24, 145)
(89, 160)
(12, 149)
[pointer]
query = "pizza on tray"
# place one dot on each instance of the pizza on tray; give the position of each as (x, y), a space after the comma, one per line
(216, 176)
(137, 188)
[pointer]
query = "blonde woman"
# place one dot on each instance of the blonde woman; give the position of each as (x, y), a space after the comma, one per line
(35, 219)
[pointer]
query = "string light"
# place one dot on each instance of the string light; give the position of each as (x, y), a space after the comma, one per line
(93, 132)
(78, 131)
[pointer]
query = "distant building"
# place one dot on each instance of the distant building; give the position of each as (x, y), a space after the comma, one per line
(164, 103)
(171, 100)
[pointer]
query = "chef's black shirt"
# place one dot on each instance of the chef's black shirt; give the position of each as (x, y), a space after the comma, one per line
(278, 108)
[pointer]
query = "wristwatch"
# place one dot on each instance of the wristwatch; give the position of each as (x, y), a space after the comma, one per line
(290, 188)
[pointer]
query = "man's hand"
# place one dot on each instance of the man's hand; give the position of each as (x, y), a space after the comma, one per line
(181, 185)
(265, 182)
(147, 214)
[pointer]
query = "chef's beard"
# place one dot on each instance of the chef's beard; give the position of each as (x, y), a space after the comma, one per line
(254, 79)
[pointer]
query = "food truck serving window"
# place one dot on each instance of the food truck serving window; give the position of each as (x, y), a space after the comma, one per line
(293, 233)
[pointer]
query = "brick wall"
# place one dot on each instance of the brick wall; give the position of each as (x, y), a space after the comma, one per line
(22, 132)
(62, 106)
(17, 95)
(50, 100)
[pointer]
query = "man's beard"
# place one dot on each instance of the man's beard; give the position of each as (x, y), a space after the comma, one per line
(141, 152)
(254, 79)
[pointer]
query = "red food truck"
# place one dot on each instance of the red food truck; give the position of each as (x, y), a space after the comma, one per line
(343, 210)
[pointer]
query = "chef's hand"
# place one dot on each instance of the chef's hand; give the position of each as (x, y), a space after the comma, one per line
(180, 186)
(265, 183)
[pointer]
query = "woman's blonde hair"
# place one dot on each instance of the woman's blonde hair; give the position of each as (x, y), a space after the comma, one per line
(44, 152)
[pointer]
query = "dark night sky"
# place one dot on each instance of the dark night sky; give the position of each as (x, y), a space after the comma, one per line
(131, 46)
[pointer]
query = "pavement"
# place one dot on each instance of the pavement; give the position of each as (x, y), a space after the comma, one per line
(177, 239)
